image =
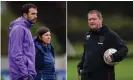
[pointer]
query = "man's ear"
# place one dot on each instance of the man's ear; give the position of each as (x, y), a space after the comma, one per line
(101, 19)
(25, 15)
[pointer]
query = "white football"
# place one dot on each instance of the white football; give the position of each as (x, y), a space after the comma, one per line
(109, 52)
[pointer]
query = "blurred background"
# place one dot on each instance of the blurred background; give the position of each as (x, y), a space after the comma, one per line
(117, 15)
(51, 14)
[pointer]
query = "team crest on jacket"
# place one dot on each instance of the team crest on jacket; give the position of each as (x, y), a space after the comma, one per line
(101, 38)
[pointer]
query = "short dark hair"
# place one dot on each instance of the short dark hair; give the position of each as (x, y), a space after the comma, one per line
(26, 7)
(41, 31)
(99, 15)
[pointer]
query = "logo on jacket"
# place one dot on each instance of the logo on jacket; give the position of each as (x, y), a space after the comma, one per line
(87, 37)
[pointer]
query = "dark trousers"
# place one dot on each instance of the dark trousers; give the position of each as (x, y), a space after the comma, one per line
(106, 75)
(45, 77)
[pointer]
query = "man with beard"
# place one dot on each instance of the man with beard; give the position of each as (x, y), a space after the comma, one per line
(21, 48)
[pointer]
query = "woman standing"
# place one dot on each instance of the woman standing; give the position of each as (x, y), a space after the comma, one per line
(45, 62)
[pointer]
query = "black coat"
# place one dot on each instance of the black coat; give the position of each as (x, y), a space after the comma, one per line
(95, 44)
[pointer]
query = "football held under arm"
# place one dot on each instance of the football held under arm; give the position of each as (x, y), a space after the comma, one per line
(121, 47)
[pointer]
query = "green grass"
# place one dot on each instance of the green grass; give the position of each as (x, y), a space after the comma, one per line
(124, 70)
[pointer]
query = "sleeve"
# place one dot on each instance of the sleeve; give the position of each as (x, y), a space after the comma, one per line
(121, 47)
(16, 42)
(36, 57)
(80, 65)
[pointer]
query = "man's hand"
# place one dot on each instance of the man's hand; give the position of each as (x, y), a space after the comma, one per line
(26, 78)
(108, 58)
(29, 77)
(79, 71)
